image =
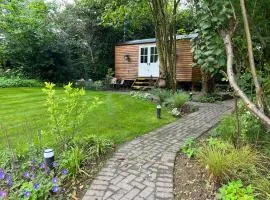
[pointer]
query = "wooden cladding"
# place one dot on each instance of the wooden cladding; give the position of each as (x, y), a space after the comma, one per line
(127, 69)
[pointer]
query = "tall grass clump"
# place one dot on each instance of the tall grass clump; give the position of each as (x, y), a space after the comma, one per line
(226, 162)
(179, 100)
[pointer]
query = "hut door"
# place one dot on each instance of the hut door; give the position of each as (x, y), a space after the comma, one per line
(143, 64)
(153, 62)
(148, 65)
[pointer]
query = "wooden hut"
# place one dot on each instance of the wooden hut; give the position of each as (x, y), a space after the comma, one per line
(137, 61)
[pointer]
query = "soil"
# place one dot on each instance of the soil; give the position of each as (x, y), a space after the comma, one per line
(191, 181)
(76, 189)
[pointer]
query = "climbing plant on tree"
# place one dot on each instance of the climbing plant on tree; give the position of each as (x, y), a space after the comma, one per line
(224, 22)
(208, 49)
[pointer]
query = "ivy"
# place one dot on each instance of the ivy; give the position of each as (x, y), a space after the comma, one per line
(208, 48)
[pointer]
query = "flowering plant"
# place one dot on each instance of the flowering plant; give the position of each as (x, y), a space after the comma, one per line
(36, 181)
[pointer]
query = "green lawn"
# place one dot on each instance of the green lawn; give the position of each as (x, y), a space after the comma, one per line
(120, 117)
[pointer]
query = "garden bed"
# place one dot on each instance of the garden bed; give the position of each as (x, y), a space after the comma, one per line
(191, 180)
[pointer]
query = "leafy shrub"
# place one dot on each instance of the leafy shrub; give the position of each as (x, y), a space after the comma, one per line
(108, 78)
(96, 85)
(224, 162)
(66, 113)
(161, 94)
(179, 100)
(208, 98)
(18, 82)
(95, 146)
(141, 95)
(226, 129)
(189, 147)
(72, 160)
(251, 130)
(235, 190)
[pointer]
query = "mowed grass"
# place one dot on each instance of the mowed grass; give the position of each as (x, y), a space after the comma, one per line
(119, 117)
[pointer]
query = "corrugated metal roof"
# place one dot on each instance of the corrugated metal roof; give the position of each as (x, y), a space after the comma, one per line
(153, 40)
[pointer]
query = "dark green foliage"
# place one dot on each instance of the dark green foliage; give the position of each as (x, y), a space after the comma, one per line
(208, 98)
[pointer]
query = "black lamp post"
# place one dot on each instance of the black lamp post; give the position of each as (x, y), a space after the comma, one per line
(159, 111)
(190, 96)
(49, 157)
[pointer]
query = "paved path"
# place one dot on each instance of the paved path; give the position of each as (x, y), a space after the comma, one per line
(143, 168)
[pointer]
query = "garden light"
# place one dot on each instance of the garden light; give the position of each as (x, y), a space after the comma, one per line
(158, 111)
(49, 157)
(190, 96)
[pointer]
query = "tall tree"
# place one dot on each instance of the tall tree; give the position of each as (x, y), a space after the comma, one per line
(165, 13)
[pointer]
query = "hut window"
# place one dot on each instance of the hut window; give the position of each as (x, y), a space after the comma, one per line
(153, 55)
(144, 55)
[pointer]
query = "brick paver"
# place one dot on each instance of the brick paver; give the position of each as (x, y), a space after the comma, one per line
(143, 168)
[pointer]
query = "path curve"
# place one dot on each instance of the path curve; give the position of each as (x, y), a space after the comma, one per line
(143, 168)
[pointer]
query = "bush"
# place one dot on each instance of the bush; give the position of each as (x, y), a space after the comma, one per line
(251, 130)
(208, 98)
(189, 147)
(235, 191)
(72, 160)
(179, 100)
(19, 82)
(224, 162)
(141, 95)
(226, 129)
(95, 146)
(96, 85)
(161, 95)
(66, 113)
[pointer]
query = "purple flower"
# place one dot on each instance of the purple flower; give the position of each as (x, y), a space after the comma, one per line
(26, 194)
(64, 171)
(3, 194)
(55, 189)
(33, 168)
(26, 175)
(55, 164)
(10, 183)
(8, 177)
(33, 161)
(33, 177)
(42, 165)
(36, 186)
(2, 175)
(54, 180)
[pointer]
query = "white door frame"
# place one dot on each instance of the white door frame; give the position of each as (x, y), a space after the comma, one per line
(147, 69)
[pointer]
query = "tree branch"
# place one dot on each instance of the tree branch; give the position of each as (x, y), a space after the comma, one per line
(259, 92)
(250, 105)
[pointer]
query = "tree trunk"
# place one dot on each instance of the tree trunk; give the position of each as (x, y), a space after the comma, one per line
(166, 39)
(259, 91)
(208, 84)
(250, 105)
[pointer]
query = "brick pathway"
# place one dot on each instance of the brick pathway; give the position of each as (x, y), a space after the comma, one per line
(143, 168)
